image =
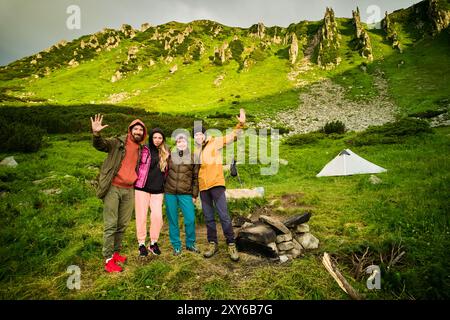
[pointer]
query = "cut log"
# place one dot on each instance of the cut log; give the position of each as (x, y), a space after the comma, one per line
(339, 278)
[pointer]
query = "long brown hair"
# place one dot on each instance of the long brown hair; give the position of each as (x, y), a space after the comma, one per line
(163, 149)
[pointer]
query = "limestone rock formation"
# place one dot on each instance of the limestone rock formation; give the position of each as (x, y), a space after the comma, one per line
(258, 30)
(440, 18)
(128, 31)
(222, 54)
(293, 49)
(391, 34)
(363, 44)
(327, 51)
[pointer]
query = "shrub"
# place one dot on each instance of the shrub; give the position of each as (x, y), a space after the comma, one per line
(334, 127)
(389, 133)
(20, 137)
(303, 139)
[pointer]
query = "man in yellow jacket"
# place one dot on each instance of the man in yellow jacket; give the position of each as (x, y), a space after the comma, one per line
(212, 185)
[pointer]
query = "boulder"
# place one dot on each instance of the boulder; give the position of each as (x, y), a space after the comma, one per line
(9, 162)
(294, 221)
(275, 224)
(258, 232)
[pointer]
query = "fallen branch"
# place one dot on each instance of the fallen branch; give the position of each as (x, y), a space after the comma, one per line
(339, 278)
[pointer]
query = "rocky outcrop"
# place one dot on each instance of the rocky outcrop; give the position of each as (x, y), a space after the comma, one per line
(391, 34)
(293, 49)
(128, 31)
(116, 76)
(328, 47)
(440, 18)
(363, 44)
(257, 30)
(222, 54)
(145, 26)
(132, 54)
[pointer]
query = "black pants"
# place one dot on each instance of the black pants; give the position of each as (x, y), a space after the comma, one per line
(216, 196)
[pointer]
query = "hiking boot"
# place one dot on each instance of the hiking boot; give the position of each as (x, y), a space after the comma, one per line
(232, 251)
(143, 250)
(155, 249)
(111, 266)
(212, 249)
(118, 258)
(193, 248)
(176, 251)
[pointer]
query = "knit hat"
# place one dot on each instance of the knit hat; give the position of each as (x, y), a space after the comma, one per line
(199, 128)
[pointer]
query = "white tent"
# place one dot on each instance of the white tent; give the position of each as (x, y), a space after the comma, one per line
(348, 163)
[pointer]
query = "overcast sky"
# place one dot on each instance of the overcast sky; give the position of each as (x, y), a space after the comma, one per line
(27, 27)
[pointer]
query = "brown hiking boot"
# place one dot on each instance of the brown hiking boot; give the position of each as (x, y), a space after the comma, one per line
(232, 251)
(212, 249)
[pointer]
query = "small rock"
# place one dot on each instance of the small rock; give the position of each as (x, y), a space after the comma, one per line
(308, 241)
(302, 228)
(295, 253)
(9, 162)
(297, 246)
(52, 191)
(284, 238)
(374, 179)
(285, 246)
(284, 258)
(273, 246)
(283, 162)
(173, 69)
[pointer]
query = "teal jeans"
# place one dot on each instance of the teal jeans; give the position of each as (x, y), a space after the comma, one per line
(184, 202)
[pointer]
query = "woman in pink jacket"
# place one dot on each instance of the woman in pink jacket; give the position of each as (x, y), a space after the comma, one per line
(149, 191)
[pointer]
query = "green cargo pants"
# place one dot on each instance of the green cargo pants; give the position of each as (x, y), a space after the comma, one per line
(118, 206)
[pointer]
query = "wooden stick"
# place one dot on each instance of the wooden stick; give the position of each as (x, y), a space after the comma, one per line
(339, 278)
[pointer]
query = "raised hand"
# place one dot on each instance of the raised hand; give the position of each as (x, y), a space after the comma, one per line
(241, 117)
(97, 123)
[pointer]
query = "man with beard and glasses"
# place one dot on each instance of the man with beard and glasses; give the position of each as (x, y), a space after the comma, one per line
(116, 185)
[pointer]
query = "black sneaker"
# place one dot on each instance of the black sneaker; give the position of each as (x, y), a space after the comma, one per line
(143, 251)
(155, 249)
(193, 249)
